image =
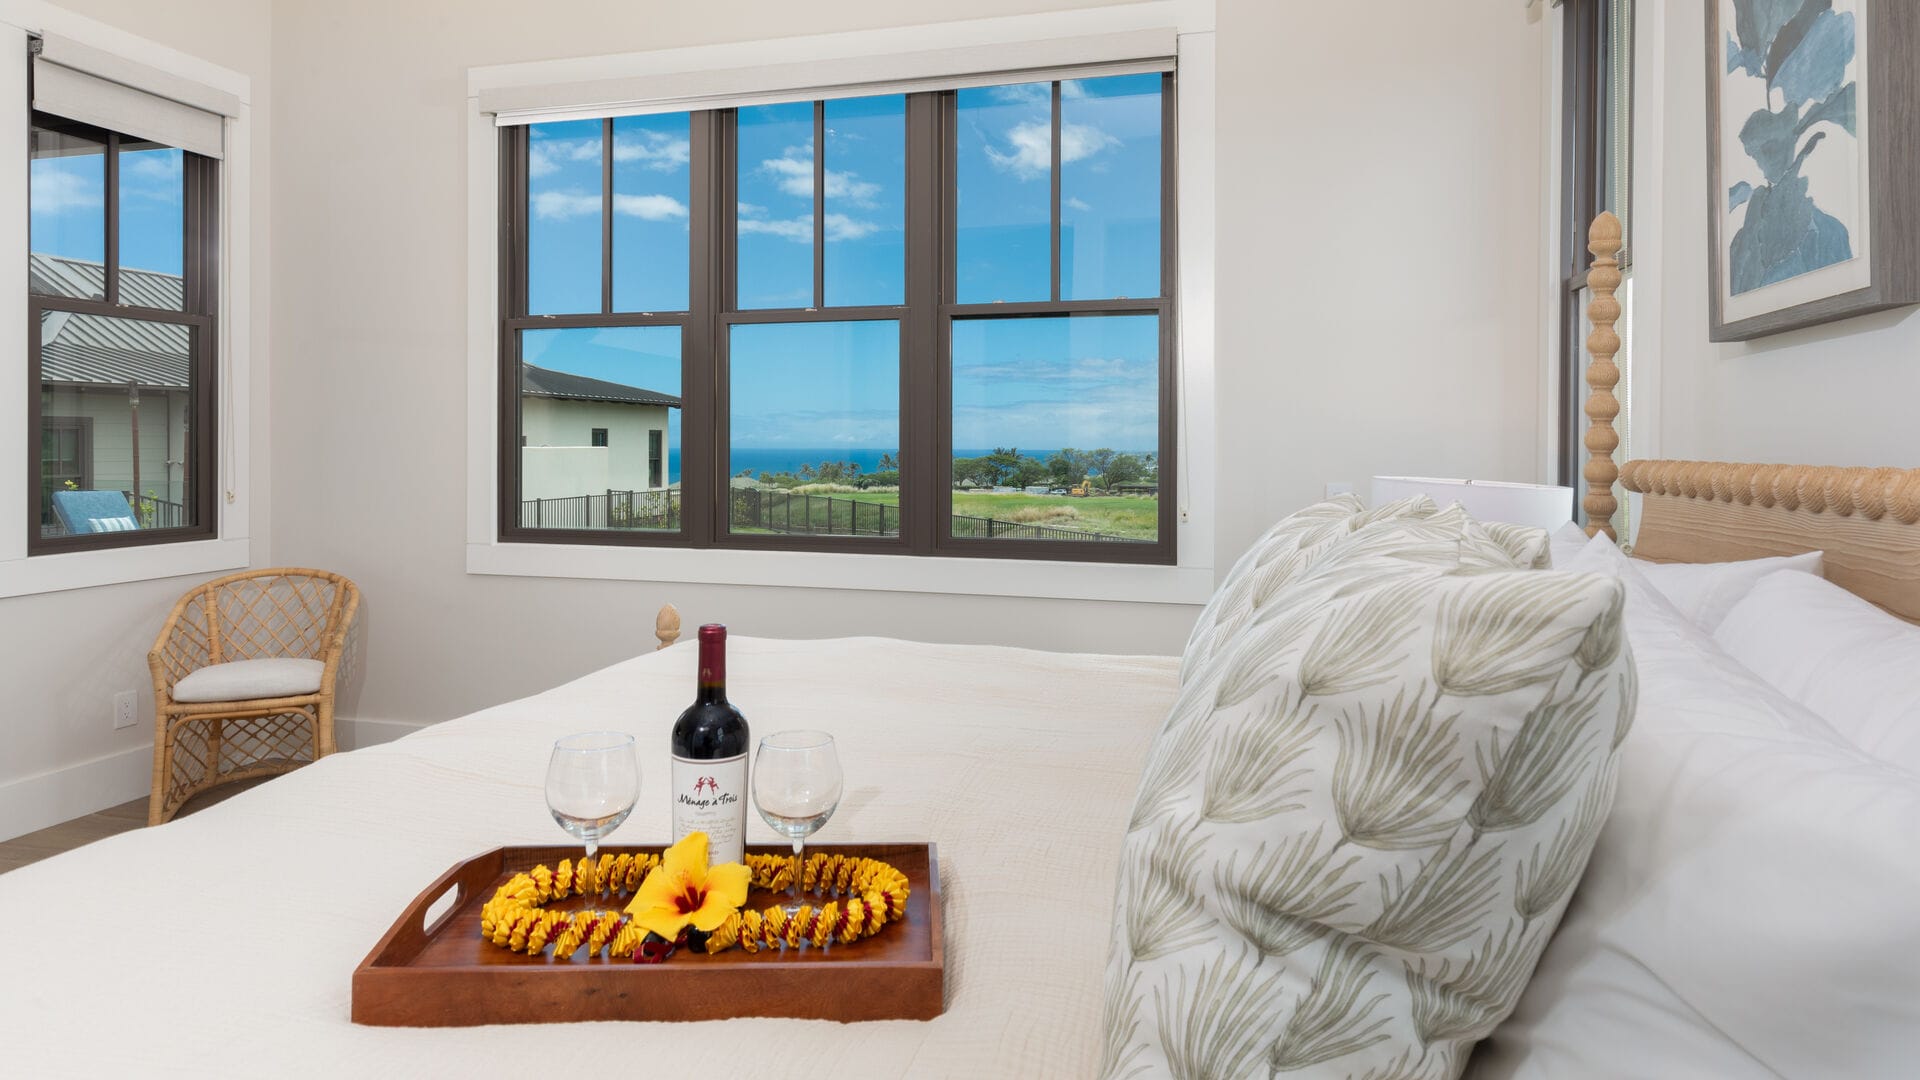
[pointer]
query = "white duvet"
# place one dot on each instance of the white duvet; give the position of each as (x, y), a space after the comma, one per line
(224, 943)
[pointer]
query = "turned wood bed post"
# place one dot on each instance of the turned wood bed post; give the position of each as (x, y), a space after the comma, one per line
(666, 626)
(1603, 240)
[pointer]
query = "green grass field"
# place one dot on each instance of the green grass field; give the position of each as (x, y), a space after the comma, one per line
(1132, 516)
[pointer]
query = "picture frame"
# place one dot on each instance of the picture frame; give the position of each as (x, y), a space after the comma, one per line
(1813, 126)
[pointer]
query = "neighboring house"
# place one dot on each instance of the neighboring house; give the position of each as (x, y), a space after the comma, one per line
(107, 383)
(582, 436)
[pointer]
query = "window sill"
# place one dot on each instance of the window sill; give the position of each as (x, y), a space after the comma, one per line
(114, 566)
(823, 570)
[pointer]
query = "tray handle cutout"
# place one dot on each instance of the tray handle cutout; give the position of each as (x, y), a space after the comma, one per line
(441, 910)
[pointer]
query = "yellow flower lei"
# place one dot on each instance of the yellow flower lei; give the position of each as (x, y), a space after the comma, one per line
(515, 920)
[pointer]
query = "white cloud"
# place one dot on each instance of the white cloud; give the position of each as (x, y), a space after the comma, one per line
(748, 209)
(655, 150)
(56, 190)
(1030, 147)
(842, 227)
(152, 165)
(649, 207)
(546, 156)
(816, 427)
(1022, 93)
(800, 229)
(793, 174)
(1076, 203)
(561, 205)
(1087, 371)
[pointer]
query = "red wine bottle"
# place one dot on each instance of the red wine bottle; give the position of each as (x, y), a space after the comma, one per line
(710, 742)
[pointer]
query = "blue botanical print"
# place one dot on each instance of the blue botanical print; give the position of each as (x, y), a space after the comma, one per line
(1801, 49)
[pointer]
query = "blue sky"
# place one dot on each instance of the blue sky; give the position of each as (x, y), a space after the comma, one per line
(68, 211)
(1041, 383)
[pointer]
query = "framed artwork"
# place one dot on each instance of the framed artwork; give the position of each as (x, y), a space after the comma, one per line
(1813, 161)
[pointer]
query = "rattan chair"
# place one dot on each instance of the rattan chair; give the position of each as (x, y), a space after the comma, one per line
(257, 615)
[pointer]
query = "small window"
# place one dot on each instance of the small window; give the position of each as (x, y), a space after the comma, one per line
(656, 458)
(121, 338)
(599, 436)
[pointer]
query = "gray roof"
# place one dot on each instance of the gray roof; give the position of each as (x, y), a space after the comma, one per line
(544, 382)
(79, 349)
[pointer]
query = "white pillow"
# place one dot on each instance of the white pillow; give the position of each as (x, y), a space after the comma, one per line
(1854, 665)
(1565, 544)
(1705, 592)
(245, 680)
(1750, 908)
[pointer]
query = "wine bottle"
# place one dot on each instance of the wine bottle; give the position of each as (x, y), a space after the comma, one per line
(710, 742)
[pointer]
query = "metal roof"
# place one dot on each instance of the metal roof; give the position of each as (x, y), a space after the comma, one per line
(77, 348)
(57, 275)
(83, 349)
(543, 382)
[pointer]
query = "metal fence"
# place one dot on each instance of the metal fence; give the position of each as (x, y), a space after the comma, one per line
(608, 510)
(771, 510)
(768, 510)
(995, 529)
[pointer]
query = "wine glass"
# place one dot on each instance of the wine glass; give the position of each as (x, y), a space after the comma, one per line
(593, 780)
(796, 787)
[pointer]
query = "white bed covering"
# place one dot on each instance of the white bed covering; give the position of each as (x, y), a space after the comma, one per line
(224, 943)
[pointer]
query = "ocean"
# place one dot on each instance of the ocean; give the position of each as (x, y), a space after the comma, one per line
(787, 459)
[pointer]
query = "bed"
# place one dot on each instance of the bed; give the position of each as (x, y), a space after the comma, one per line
(224, 943)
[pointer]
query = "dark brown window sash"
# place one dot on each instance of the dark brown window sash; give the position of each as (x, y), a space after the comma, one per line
(200, 269)
(925, 323)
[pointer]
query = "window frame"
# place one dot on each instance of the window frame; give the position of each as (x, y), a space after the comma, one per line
(925, 320)
(1586, 149)
(199, 312)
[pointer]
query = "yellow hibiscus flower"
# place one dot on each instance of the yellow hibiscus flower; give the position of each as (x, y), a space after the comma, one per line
(684, 891)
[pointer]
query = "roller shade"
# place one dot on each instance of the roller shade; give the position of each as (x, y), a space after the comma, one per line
(94, 87)
(1130, 52)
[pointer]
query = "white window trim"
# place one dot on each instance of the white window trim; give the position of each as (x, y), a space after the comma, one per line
(1188, 582)
(20, 574)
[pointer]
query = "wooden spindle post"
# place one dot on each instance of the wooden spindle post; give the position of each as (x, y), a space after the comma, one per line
(1603, 344)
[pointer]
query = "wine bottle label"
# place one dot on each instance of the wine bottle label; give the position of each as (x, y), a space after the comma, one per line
(711, 797)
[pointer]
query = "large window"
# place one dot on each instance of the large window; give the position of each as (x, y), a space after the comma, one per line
(1596, 175)
(121, 345)
(924, 323)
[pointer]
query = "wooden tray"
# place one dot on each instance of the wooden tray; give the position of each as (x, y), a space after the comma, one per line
(444, 975)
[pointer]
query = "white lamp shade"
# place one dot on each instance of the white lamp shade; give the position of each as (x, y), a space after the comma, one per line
(1547, 506)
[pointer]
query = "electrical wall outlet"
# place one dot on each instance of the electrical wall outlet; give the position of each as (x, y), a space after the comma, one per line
(1338, 487)
(126, 709)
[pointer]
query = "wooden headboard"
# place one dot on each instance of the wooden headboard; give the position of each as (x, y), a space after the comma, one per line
(1867, 521)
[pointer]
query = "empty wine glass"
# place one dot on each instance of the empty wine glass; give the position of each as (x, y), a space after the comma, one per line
(796, 787)
(593, 780)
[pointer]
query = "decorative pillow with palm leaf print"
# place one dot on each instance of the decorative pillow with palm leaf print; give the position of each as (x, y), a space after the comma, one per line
(1363, 820)
(1283, 553)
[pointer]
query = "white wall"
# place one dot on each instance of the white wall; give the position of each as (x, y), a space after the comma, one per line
(63, 655)
(1378, 313)
(1839, 394)
(560, 459)
(1379, 201)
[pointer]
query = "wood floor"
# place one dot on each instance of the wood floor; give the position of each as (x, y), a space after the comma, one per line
(80, 832)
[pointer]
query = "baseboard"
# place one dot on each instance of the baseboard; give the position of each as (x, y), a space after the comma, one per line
(35, 802)
(359, 732)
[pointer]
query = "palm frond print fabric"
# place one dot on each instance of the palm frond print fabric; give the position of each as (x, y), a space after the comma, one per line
(1393, 751)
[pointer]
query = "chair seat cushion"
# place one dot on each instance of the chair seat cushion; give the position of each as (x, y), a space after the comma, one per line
(244, 680)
